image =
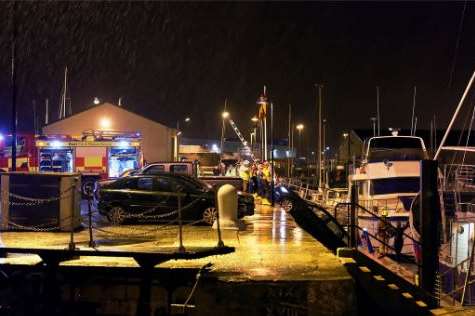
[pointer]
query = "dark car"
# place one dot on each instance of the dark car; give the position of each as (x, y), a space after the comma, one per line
(152, 197)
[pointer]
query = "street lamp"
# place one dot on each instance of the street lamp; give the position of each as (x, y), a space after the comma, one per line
(225, 114)
(346, 135)
(178, 134)
(300, 128)
(254, 119)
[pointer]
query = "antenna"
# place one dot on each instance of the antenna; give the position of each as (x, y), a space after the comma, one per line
(46, 111)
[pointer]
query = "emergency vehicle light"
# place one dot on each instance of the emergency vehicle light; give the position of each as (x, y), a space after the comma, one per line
(57, 144)
(124, 143)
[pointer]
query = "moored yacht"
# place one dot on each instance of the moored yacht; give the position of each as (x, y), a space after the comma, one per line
(387, 183)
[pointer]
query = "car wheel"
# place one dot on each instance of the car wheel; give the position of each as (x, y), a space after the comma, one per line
(286, 205)
(117, 215)
(209, 215)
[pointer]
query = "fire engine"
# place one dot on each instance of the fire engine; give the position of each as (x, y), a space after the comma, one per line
(27, 158)
(95, 154)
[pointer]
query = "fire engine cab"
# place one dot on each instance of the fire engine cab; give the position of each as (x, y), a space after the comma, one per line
(25, 151)
(95, 155)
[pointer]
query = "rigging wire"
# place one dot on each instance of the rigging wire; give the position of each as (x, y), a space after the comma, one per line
(468, 136)
(457, 45)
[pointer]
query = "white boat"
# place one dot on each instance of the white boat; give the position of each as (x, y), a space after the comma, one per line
(388, 181)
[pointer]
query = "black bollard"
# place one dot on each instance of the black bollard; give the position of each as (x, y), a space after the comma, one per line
(353, 214)
(430, 218)
(92, 243)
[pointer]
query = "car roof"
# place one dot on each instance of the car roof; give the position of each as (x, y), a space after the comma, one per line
(162, 174)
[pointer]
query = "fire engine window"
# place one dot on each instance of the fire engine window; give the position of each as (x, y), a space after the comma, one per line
(56, 160)
(122, 159)
(145, 184)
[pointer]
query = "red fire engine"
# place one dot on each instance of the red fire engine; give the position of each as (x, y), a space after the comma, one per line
(94, 154)
(27, 157)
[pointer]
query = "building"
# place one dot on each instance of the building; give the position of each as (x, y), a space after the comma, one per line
(159, 142)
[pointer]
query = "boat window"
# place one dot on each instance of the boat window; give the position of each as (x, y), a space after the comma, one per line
(395, 185)
(395, 148)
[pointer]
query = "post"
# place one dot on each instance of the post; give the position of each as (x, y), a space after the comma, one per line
(181, 248)
(378, 114)
(178, 134)
(349, 151)
(353, 214)
(430, 218)
(272, 153)
(319, 139)
(72, 245)
(220, 239)
(289, 142)
(223, 130)
(92, 243)
(13, 85)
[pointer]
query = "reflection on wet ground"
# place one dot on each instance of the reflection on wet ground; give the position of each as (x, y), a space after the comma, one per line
(272, 247)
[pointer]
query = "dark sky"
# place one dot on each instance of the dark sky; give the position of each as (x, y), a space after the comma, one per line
(171, 60)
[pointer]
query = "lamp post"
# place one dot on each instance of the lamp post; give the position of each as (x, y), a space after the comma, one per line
(224, 115)
(255, 122)
(300, 128)
(373, 124)
(346, 135)
(178, 134)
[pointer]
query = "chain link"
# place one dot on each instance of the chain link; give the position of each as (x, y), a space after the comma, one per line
(37, 201)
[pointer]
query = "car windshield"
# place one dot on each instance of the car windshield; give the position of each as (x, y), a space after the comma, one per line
(395, 148)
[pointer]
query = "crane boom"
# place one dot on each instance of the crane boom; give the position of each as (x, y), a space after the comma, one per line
(241, 137)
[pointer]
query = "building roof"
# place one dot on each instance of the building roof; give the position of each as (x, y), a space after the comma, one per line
(107, 104)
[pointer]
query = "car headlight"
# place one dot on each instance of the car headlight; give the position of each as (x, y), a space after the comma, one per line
(284, 190)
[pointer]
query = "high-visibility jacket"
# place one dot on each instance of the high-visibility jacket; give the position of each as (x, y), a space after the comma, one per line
(266, 174)
(244, 173)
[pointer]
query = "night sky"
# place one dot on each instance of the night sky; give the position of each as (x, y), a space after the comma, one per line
(172, 60)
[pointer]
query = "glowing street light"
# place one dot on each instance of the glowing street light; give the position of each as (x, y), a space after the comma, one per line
(187, 119)
(255, 119)
(225, 114)
(96, 100)
(299, 127)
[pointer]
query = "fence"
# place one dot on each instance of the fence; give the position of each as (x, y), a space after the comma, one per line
(173, 219)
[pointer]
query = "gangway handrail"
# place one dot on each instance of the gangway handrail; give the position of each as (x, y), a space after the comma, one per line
(377, 217)
(323, 210)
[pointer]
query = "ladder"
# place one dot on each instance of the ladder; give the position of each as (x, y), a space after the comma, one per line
(241, 138)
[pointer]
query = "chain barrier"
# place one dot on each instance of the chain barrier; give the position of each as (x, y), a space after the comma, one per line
(36, 201)
(145, 232)
(144, 215)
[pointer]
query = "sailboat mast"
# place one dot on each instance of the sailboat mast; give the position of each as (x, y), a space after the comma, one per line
(457, 110)
(378, 114)
(413, 111)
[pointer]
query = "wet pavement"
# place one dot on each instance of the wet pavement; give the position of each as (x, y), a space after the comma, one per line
(271, 247)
